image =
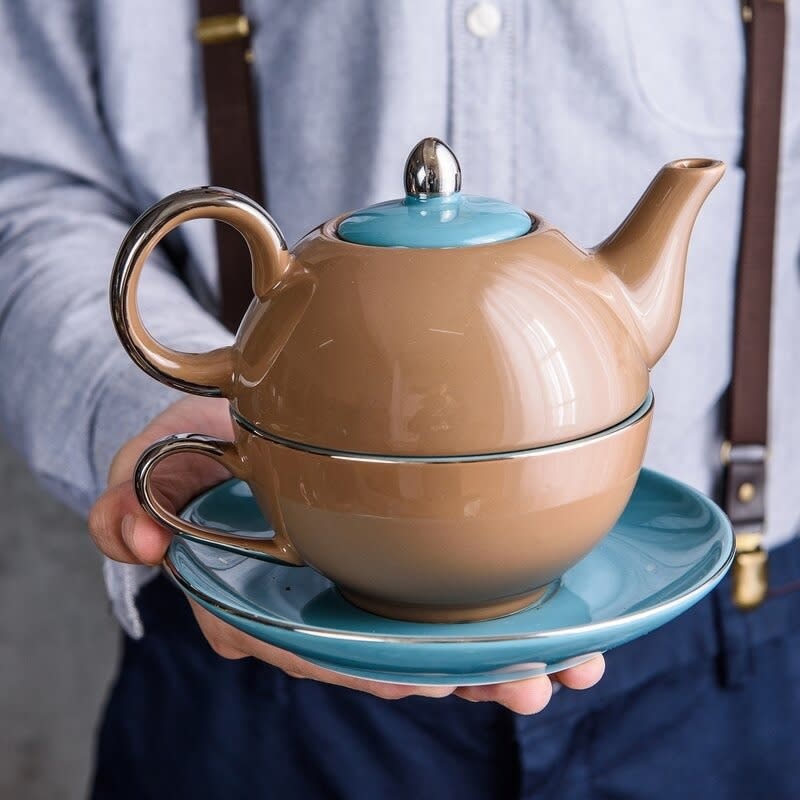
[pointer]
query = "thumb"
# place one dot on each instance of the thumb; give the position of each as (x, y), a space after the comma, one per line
(120, 527)
(123, 531)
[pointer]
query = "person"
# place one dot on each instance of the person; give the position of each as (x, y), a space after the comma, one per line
(564, 108)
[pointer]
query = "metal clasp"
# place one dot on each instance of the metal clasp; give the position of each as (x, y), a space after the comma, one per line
(750, 574)
(222, 28)
(750, 453)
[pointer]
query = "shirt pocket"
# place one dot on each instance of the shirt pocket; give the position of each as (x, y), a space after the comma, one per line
(687, 59)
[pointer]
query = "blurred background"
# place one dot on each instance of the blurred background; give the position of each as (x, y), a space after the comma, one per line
(58, 642)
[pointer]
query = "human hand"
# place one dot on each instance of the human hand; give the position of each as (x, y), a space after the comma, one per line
(123, 531)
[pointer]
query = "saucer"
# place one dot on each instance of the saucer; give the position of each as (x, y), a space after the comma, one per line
(669, 549)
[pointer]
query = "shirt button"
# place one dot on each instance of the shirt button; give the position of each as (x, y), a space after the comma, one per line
(484, 20)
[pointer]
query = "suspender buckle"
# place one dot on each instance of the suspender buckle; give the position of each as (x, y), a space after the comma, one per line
(745, 482)
(750, 573)
(749, 453)
(222, 28)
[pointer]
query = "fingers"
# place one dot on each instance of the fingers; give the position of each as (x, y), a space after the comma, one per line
(231, 643)
(105, 523)
(123, 531)
(528, 696)
(532, 695)
(585, 675)
(119, 526)
(144, 538)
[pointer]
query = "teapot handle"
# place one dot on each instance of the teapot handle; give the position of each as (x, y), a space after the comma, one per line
(210, 373)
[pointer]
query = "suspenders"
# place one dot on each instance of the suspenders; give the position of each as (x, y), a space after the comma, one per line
(233, 148)
(744, 453)
(235, 162)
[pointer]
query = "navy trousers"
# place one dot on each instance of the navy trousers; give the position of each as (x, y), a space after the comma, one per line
(706, 707)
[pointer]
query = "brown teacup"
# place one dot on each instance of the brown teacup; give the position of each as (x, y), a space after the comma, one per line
(424, 539)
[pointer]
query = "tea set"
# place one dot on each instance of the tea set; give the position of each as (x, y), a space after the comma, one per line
(440, 407)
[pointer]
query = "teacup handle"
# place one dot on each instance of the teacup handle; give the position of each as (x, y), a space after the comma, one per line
(210, 373)
(278, 548)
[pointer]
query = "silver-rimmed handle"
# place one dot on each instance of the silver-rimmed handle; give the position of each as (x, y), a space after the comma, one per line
(278, 548)
(210, 373)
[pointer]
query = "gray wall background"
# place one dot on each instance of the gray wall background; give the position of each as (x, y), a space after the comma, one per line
(58, 642)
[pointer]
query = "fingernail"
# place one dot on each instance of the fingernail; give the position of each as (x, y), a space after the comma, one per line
(127, 527)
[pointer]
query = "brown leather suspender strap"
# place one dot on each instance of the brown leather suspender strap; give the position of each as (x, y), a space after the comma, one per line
(745, 451)
(233, 143)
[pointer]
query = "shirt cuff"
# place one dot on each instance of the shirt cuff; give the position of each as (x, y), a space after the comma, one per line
(123, 582)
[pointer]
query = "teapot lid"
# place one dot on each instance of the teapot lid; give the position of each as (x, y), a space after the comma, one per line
(434, 213)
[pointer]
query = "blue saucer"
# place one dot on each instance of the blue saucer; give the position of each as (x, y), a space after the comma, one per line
(669, 549)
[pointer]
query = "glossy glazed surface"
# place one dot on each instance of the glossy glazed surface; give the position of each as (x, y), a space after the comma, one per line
(670, 547)
(431, 541)
(647, 253)
(452, 351)
(435, 351)
(456, 220)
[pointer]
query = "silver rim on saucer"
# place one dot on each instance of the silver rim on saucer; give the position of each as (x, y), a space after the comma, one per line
(332, 633)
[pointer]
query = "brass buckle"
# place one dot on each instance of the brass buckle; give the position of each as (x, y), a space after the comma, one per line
(750, 577)
(222, 28)
(750, 573)
(742, 452)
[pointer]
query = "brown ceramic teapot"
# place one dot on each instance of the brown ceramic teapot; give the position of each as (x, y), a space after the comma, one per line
(440, 402)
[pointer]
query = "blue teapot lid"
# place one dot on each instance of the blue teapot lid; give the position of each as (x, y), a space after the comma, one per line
(434, 213)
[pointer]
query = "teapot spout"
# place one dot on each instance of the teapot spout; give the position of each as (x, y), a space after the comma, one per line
(648, 251)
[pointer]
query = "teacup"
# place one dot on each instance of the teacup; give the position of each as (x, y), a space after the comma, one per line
(426, 539)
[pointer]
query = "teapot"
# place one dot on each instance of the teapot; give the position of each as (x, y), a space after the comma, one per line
(440, 402)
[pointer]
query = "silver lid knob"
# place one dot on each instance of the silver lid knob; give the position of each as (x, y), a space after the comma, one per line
(432, 170)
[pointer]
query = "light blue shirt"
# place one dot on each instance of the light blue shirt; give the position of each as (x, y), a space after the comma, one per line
(565, 108)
